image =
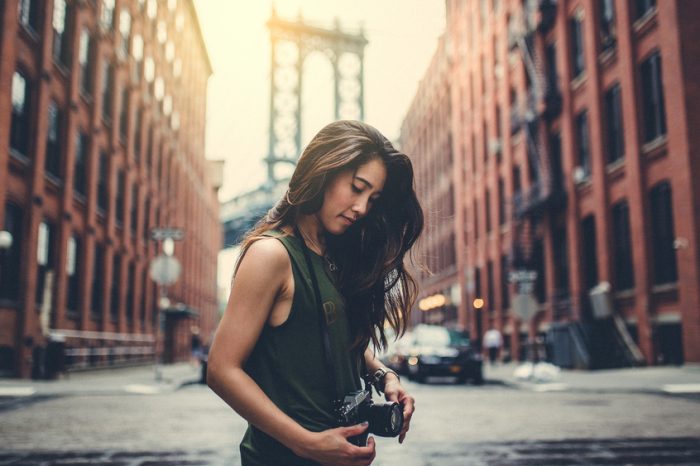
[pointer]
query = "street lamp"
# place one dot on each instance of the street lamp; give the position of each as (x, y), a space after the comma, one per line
(478, 305)
(5, 245)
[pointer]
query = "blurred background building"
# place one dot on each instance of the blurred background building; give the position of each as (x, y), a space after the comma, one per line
(102, 141)
(564, 130)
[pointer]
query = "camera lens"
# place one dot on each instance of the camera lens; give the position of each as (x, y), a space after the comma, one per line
(385, 420)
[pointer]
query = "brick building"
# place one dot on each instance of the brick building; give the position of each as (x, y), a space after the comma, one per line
(573, 158)
(426, 136)
(101, 140)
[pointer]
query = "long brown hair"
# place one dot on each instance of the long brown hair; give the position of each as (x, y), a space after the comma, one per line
(370, 254)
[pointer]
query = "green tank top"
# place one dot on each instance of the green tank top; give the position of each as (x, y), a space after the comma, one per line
(287, 361)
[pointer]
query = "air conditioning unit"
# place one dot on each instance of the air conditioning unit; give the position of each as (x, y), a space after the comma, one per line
(601, 302)
(579, 174)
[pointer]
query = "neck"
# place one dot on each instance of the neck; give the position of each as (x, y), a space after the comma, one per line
(312, 233)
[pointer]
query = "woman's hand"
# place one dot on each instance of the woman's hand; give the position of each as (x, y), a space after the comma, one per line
(331, 447)
(394, 391)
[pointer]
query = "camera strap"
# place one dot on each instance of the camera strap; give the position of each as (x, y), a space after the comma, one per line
(337, 394)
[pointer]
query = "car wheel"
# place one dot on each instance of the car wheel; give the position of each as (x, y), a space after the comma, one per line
(478, 379)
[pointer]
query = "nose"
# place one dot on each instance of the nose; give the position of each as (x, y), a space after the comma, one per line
(360, 208)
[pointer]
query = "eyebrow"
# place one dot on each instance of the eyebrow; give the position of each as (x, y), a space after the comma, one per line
(369, 185)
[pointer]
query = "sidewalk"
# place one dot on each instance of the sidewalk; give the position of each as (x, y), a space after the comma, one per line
(139, 379)
(667, 379)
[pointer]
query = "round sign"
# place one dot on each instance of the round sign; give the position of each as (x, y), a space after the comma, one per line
(165, 270)
(524, 306)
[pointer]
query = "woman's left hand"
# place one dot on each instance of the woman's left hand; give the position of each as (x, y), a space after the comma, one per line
(394, 391)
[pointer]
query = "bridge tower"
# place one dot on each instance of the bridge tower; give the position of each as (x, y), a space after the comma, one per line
(292, 42)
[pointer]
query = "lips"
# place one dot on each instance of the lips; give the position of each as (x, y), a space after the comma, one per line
(348, 220)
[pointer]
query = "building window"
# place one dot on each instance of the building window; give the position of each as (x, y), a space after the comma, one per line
(516, 180)
(662, 234)
(653, 98)
(45, 257)
(608, 31)
(490, 301)
(615, 131)
(11, 260)
(61, 37)
(622, 238)
(107, 17)
(644, 8)
(102, 179)
(137, 136)
(29, 14)
(146, 218)
(501, 202)
(84, 57)
(107, 83)
(125, 30)
(123, 114)
(488, 211)
(52, 163)
(505, 292)
(584, 155)
(121, 186)
(73, 261)
(20, 125)
(130, 292)
(134, 207)
(561, 263)
(577, 58)
(114, 291)
(80, 165)
(555, 162)
(539, 266)
(476, 220)
(97, 281)
(590, 262)
(137, 52)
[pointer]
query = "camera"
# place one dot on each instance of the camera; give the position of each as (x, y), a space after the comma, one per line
(385, 420)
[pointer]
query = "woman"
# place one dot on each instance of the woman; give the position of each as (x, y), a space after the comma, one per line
(342, 230)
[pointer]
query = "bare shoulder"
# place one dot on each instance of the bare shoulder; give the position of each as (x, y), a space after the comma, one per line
(266, 258)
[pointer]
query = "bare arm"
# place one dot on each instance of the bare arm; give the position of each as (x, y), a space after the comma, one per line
(393, 391)
(260, 279)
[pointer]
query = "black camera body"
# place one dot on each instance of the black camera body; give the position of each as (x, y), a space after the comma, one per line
(385, 420)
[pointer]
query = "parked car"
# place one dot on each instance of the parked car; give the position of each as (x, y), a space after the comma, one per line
(439, 351)
(396, 354)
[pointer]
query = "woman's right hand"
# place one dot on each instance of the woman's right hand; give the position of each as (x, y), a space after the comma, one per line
(331, 447)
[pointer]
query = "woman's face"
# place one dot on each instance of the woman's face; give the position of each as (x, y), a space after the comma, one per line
(350, 195)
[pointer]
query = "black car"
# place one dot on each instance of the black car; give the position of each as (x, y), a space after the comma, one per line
(439, 351)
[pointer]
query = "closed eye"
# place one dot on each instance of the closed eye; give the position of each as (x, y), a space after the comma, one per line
(357, 190)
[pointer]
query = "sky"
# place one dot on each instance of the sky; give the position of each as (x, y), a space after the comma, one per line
(402, 37)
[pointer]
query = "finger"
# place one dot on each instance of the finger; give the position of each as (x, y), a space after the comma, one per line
(354, 430)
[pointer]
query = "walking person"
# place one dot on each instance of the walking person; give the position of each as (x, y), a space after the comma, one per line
(493, 341)
(317, 280)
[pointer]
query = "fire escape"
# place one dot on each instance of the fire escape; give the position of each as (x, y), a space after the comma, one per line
(531, 116)
(592, 343)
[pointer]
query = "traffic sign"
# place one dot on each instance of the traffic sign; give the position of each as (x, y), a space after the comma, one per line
(524, 306)
(159, 234)
(165, 270)
(522, 275)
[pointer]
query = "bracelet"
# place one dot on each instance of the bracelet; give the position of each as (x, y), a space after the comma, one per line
(380, 375)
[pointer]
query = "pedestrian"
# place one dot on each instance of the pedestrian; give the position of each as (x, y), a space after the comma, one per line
(195, 346)
(338, 236)
(493, 341)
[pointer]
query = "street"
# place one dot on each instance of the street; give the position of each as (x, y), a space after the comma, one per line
(498, 423)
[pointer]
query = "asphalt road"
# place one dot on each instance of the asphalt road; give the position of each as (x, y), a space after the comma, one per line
(453, 425)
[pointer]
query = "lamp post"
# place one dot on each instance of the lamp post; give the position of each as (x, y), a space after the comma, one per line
(478, 305)
(5, 245)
